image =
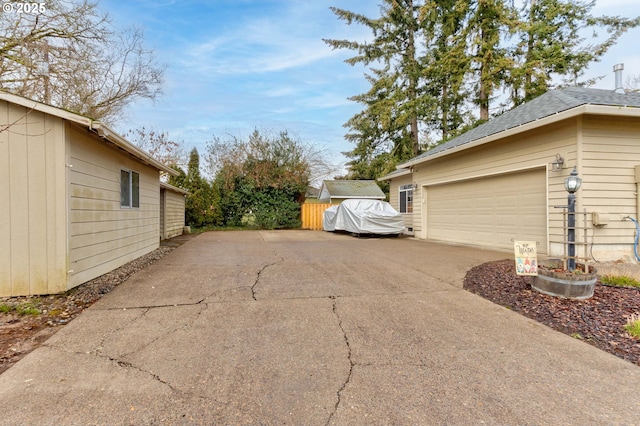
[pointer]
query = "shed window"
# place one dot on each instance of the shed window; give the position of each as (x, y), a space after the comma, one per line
(129, 188)
(406, 199)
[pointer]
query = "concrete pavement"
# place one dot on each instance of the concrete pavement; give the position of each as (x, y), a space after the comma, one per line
(312, 328)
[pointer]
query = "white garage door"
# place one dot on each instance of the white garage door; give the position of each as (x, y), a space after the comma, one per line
(489, 211)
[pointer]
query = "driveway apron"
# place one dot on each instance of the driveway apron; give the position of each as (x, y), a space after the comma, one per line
(313, 328)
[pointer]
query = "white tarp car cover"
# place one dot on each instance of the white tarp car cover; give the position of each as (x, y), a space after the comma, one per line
(363, 217)
(329, 218)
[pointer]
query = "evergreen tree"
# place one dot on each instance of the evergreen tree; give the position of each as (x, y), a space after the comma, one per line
(389, 122)
(445, 65)
(429, 60)
(551, 44)
(202, 206)
(488, 25)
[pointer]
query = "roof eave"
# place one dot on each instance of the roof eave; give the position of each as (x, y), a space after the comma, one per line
(394, 175)
(173, 188)
(102, 129)
(350, 197)
(47, 109)
(106, 133)
(620, 111)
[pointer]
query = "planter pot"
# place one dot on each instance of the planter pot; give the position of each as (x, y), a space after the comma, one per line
(569, 285)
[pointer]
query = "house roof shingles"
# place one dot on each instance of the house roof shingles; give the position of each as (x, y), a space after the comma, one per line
(550, 103)
(353, 189)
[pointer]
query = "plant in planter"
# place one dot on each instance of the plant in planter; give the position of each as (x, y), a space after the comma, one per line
(554, 280)
(577, 281)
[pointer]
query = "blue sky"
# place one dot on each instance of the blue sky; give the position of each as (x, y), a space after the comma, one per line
(236, 65)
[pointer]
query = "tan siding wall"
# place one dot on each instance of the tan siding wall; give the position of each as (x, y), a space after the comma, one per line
(103, 235)
(529, 150)
(33, 211)
(611, 150)
(173, 214)
(394, 197)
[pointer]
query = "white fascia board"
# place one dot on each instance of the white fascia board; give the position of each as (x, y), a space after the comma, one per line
(103, 130)
(618, 111)
(47, 109)
(106, 133)
(173, 188)
(377, 197)
(394, 175)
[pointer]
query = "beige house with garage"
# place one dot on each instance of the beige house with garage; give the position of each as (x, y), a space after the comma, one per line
(78, 199)
(504, 180)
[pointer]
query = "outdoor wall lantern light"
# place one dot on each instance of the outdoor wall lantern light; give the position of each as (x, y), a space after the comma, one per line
(572, 184)
(556, 165)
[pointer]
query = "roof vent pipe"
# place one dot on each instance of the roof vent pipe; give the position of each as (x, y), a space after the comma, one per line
(617, 69)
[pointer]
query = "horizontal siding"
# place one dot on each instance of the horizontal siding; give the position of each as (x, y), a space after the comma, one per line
(611, 150)
(394, 197)
(173, 214)
(32, 215)
(102, 235)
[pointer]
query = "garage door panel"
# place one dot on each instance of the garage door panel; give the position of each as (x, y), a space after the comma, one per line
(490, 211)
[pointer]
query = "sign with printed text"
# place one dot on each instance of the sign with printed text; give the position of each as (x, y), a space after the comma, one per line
(526, 257)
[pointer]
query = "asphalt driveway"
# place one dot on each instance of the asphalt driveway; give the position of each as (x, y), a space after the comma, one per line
(312, 328)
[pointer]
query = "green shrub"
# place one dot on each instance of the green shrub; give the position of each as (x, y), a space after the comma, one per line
(619, 281)
(25, 308)
(633, 326)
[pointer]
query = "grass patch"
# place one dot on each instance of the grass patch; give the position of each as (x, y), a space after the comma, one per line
(633, 326)
(209, 228)
(25, 308)
(619, 281)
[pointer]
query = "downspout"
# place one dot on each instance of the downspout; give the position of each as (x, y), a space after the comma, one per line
(637, 181)
(635, 222)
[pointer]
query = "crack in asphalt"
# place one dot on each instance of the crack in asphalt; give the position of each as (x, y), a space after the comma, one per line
(98, 352)
(253, 287)
(106, 336)
(120, 363)
(154, 376)
(351, 363)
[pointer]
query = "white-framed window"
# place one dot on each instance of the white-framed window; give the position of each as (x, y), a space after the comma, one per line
(129, 188)
(406, 199)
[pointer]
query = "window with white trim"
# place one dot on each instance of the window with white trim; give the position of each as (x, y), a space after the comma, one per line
(129, 188)
(406, 199)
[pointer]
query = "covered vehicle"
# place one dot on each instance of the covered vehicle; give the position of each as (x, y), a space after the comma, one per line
(362, 216)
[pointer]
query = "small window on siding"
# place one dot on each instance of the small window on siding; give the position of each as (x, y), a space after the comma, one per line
(129, 188)
(135, 189)
(406, 199)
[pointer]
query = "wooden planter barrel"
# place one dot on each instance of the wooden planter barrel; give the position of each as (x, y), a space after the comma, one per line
(569, 285)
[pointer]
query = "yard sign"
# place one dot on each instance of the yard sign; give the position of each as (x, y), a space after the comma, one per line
(526, 257)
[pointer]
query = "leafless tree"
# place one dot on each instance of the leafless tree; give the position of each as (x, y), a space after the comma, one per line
(633, 83)
(68, 54)
(159, 145)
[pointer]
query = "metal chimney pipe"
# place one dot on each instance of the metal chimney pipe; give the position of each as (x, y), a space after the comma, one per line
(617, 69)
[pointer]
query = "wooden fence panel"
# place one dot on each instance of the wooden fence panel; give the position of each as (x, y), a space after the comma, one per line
(312, 215)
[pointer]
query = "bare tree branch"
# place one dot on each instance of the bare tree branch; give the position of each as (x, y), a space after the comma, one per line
(70, 56)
